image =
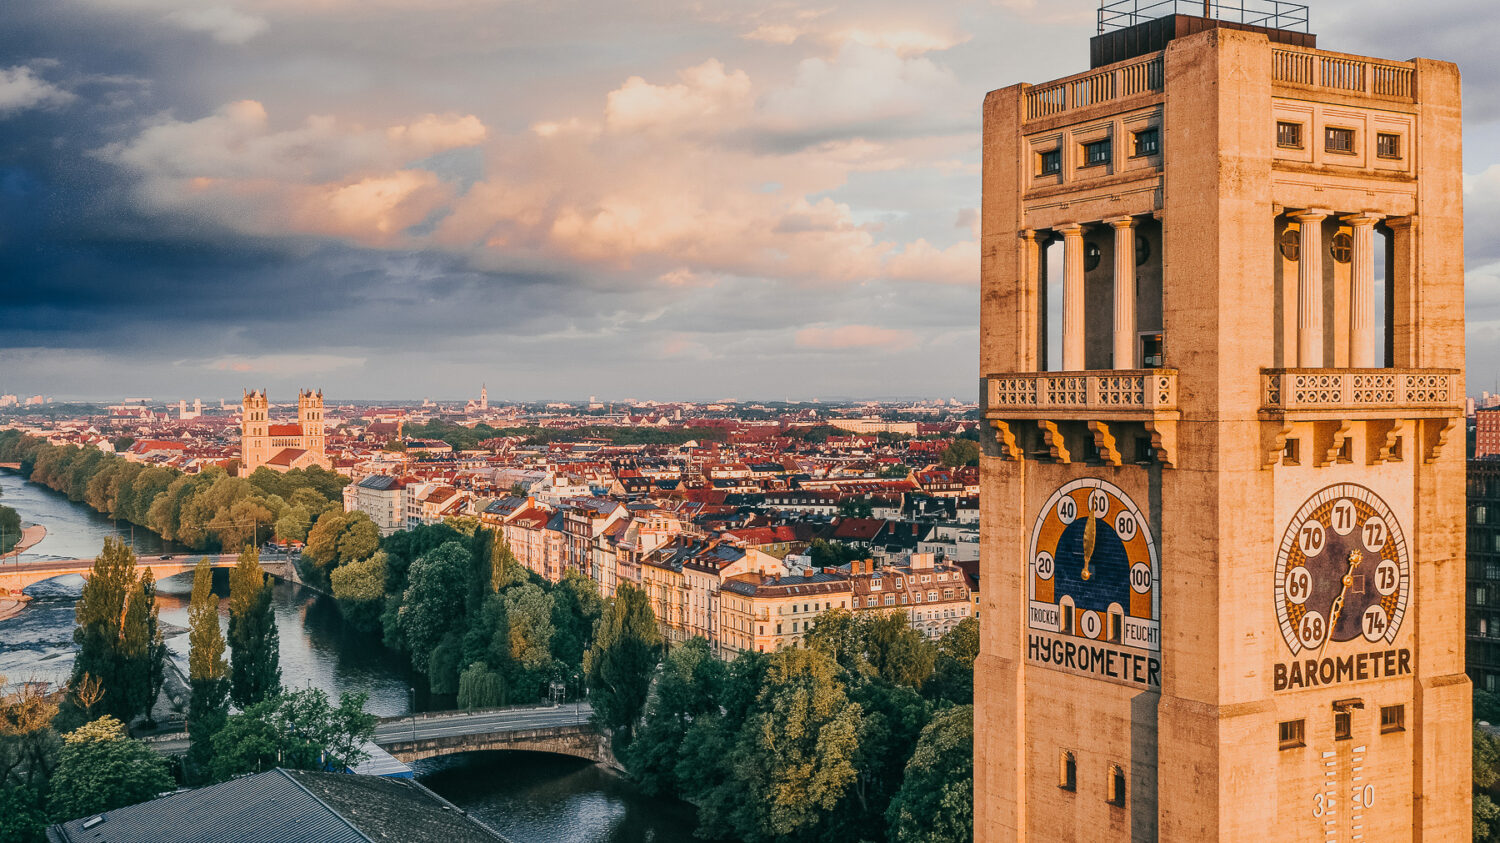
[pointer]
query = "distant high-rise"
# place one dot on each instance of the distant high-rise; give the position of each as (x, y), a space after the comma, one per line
(1223, 525)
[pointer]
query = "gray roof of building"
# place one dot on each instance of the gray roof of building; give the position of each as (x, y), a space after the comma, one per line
(379, 482)
(285, 806)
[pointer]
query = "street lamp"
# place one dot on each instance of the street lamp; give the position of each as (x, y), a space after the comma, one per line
(411, 698)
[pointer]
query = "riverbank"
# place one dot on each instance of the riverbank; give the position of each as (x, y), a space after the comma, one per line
(12, 606)
(30, 536)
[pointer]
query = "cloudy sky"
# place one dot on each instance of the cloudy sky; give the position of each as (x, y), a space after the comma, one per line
(667, 199)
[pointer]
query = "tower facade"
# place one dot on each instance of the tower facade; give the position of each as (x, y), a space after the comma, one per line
(255, 424)
(310, 419)
(1223, 501)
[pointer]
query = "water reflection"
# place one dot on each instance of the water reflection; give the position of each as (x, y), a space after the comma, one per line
(529, 796)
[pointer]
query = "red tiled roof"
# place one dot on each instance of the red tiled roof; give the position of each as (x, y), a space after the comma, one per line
(284, 430)
(286, 456)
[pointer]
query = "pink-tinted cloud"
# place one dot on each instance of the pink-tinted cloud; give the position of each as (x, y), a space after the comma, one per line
(844, 337)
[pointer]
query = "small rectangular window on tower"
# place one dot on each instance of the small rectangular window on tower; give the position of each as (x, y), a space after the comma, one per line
(1049, 163)
(1387, 145)
(1338, 140)
(1290, 734)
(1096, 153)
(1067, 771)
(1343, 725)
(1288, 134)
(1148, 141)
(1392, 718)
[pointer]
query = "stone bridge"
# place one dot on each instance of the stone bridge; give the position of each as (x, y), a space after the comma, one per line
(560, 730)
(16, 577)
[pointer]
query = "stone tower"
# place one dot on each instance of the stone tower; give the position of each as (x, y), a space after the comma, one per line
(1223, 506)
(255, 438)
(310, 418)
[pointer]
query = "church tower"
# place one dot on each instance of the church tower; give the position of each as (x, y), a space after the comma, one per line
(255, 439)
(310, 418)
(1222, 348)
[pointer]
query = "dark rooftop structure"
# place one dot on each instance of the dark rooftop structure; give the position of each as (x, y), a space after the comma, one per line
(1131, 28)
(285, 806)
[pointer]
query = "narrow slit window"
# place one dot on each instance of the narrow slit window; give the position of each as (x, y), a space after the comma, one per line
(1343, 726)
(1116, 786)
(1067, 772)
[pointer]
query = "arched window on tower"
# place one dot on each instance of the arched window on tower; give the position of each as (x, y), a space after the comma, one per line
(1116, 785)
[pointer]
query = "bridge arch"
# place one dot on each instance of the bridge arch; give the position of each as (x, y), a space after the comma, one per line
(576, 740)
(16, 578)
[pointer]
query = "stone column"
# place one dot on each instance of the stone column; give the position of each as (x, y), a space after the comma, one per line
(1072, 321)
(1125, 322)
(1310, 288)
(1362, 291)
(1033, 343)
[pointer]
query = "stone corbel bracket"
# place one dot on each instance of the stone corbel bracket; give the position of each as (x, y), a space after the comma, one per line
(1010, 449)
(1435, 436)
(1104, 441)
(1384, 437)
(1273, 441)
(1327, 450)
(1052, 438)
(1164, 440)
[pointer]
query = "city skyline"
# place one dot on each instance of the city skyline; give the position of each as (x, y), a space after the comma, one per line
(678, 204)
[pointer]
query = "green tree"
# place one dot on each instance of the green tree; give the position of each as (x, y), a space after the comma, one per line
(436, 585)
(340, 538)
(466, 525)
(1486, 774)
(254, 645)
(101, 769)
(936, 800)
(687, 690)
(29, 748)
(953, 673)
(21, 816)
(576, 607)
(480, 687)
(118, 642)
(208, 672)
(960, 453)
(528, 611)
(627, 645)
(10, 529)
(878, 644)
(300, 730)
(143, 624)
(359, 588)
(797, 750)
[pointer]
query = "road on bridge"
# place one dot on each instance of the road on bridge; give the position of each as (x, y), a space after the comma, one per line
(444, 724)
(451, 724)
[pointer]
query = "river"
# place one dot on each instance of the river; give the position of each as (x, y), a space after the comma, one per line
(525, 796)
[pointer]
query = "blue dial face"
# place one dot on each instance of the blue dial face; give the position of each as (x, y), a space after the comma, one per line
(1093, 568)
(1342, 572)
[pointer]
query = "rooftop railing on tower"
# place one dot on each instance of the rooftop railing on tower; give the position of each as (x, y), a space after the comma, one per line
(1270, 14)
